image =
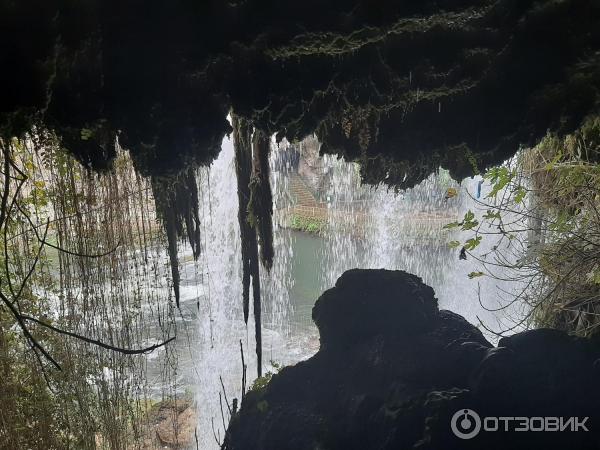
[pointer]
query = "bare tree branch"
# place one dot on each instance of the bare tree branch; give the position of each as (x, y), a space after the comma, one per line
(125, 351)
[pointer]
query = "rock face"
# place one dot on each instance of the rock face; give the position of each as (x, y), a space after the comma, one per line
(171, 425)
(393, 370)
(177, 425)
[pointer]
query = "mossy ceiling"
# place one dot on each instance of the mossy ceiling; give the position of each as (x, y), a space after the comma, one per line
(401, 86)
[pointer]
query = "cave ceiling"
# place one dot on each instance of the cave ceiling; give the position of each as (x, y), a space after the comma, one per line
(401, 86)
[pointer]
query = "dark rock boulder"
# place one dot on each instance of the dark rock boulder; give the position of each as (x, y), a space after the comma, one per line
(340, 326)
(393, 370)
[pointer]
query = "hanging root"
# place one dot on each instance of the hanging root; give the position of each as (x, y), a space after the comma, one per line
(256, 306)
(242, 132)
(177, 206)
(260, 209)
(254, 215)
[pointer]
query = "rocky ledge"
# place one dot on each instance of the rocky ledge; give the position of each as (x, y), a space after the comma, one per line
(393, 370)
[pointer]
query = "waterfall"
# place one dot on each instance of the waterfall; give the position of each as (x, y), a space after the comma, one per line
(366, 227)
(405, 231)
(220, 313)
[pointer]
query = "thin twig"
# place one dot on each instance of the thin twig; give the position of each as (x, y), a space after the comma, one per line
(243, 371)
(225, 395)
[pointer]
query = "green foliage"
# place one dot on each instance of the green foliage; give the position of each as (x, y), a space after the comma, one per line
(468, 223)
(542, 216)
(73, 407)
(34, 416)
(471, 244)
(491, 215)
(499, 177)
(261, 382)
(86, 134)
(520, 194)
(452, 225)
(307, 224)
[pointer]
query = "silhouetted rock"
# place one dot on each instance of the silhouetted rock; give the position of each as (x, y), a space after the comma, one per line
(364, 304)
(392, 371)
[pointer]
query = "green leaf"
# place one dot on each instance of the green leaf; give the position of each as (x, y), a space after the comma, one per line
(470, 225)
(454, 244)
(452, 225)
(472, 243)
(469, 222)
(520, 194)
(86, 134)
(499, 177)
(491, 215)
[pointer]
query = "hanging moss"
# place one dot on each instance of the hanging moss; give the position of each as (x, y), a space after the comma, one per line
(177, 206)
(250, 173)
(402, 80)
(260, 208)
(242, 132)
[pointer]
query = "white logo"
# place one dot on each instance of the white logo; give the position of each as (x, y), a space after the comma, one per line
(465, 424)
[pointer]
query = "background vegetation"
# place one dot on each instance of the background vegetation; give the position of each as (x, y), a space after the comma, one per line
(542, 217)
(82, 281)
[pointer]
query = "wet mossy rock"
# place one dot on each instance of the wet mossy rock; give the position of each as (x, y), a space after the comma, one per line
(393, 369)
(401, 86)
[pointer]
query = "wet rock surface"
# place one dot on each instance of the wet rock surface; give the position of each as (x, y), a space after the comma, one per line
(393, 370)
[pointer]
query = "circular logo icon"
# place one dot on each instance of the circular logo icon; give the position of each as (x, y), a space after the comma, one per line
(465, 424)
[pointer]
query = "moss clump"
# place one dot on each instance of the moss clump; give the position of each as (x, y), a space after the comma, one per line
(261, 383)
(306, 224)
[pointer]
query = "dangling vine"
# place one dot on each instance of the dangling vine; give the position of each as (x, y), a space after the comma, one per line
(242, 138)
(254, 216)
(260, 207)
(177, 205)
(81, 280)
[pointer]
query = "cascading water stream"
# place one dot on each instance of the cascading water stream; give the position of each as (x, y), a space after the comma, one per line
(220, 317)
(405, 231)
(361, 226)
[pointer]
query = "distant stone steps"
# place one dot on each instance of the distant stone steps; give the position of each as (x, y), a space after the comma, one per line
(302, 195)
